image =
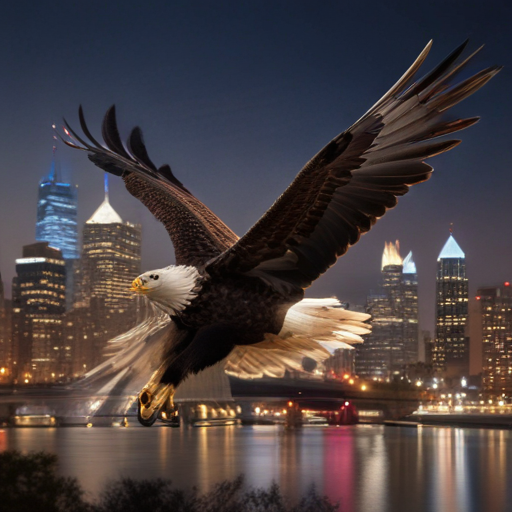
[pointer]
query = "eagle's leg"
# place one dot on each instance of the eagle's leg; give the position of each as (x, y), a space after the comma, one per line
(151, 400)
(207, 346)
(155, 393)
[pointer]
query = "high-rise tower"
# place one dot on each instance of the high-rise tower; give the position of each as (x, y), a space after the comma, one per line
(393, 342)
(39, 296)
(382, 353)
(111, 259)
(57, 213)
(451, 348)
(496, 327)
(57, 220)
(410, 312)
(392, 267)
(5, 341)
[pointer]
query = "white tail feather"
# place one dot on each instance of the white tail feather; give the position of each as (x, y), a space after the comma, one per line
(321, 318)
(312, 328)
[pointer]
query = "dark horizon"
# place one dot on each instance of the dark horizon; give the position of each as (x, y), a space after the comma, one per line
(237, 98)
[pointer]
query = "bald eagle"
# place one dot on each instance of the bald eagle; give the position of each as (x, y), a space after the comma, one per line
(243, 298)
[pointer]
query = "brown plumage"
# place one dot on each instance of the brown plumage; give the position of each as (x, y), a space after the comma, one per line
(246, 286)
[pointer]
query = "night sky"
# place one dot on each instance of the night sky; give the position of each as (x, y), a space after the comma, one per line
(236, 97)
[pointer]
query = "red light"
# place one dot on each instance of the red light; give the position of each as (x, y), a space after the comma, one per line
(478, 297)
(507, 283)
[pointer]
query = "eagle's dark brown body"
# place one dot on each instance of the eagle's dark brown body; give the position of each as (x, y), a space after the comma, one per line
(227, 312)
(247, 304)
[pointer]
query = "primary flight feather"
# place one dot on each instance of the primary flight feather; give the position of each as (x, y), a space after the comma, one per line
(243, 298)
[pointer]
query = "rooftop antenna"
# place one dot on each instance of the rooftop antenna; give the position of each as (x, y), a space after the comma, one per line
(105, 178)
(54, 177)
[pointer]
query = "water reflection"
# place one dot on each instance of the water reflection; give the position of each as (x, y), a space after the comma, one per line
(374, 472)
(339, 467)
(370, 469)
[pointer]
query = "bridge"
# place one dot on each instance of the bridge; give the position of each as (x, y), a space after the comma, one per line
(393, 402)
(389, 401)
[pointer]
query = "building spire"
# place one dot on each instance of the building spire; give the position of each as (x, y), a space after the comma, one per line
(54, 175)
(409, 265)
(105, 214)
(451, 249)
(391, 254)
(105, 185)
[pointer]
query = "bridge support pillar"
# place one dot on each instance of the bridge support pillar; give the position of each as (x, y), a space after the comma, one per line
(293, 415)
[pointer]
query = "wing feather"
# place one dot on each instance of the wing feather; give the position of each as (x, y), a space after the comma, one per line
(356, 178)
(197, 234)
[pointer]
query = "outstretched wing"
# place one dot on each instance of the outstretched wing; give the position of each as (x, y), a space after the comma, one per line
(359, 175)
(196, 232)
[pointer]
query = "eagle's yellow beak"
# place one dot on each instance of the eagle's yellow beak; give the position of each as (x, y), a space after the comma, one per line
(138, 287)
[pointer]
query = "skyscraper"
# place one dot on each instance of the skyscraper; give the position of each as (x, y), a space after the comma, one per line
(381, 354)
(391, 270)
(111, 259)
(393, 342)
(39, 297)
(451, 348)
(57, 219)
(5, 341)
(410, 311)
(496, 324)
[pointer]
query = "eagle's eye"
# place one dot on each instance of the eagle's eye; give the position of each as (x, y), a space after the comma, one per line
(156, 277)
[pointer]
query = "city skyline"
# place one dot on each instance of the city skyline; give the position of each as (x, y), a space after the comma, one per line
(260, 107)
(107, 214)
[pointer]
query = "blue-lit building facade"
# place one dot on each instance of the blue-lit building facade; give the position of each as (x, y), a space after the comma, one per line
(57, 220)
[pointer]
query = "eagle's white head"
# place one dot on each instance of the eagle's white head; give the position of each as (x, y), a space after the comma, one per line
(171, 288)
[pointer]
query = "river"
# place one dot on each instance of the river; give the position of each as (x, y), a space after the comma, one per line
(366, 468)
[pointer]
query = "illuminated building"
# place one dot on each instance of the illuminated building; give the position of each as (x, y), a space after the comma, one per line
(393, 342)
(410, 311)
(451, 348)
(341, 363)
(57, 220)
(111, 260)
(391, 269)
(381, 354)
(5, 338)
(39, 301)
(496, 324)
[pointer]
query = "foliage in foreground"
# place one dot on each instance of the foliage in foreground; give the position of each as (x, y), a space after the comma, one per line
(30, 482)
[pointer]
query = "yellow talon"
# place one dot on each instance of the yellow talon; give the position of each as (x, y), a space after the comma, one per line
(153, 398)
